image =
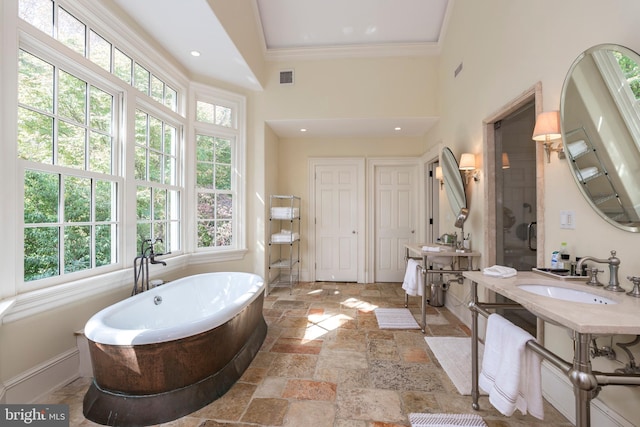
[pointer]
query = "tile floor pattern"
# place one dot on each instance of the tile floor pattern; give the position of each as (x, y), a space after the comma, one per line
(325, 362)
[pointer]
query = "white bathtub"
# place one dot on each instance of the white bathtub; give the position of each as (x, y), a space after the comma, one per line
(174, 348)
(188, 306)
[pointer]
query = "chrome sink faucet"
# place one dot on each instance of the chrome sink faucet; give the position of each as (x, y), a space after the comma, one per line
(614, 265)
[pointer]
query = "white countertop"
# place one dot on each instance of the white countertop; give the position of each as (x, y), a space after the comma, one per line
(444, 251)
(617, 319)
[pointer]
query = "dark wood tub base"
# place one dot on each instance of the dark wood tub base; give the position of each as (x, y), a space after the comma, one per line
(114, 409)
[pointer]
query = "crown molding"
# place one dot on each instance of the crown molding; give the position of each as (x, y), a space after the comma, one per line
(353, 51)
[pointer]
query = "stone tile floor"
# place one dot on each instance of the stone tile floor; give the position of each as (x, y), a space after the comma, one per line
(325, 362)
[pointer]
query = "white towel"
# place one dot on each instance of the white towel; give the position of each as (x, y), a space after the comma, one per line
(284, 212)
(499, 271)
(578, 147)
(431, 249)
(284, 237)
(588, 172)
(511, 371)
(413, 283)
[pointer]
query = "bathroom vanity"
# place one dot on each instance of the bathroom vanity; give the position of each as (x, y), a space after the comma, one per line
(447, 255)
(585, 310)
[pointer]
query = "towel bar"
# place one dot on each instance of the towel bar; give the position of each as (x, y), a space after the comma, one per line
(555, 360)
(586, 383)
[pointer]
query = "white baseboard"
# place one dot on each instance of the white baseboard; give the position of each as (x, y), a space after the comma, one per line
(34, 384)
(459, 308)
(558, 391)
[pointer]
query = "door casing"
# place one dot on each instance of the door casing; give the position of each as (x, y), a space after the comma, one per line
(489, 163)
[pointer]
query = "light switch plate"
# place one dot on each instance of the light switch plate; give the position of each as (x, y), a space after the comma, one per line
(568, 219)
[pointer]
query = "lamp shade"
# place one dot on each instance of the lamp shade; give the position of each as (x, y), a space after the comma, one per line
(547, 126)
(467, 162)
(439, 173)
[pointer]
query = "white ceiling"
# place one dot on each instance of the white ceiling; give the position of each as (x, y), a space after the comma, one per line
(300, 29)
(340, 22)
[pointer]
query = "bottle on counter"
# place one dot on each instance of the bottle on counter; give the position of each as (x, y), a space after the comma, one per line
(558, 257)
(555, 259)
(565, 258)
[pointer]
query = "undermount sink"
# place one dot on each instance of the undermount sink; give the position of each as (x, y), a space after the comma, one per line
(566, 294)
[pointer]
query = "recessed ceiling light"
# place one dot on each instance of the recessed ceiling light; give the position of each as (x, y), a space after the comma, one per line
(195, 53)
(398, 128)
(303, 130)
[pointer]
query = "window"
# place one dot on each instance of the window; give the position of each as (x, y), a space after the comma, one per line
(69, 117)
(66, 146)
(219, 147)
(207, 112)
(156, 169)
(74, 189)
(55, 21)
(215, 195)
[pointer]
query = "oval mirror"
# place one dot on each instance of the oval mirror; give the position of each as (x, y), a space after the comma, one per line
(600, 121)
(454, 186)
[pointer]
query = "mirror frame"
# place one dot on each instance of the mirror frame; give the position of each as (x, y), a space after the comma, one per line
(633, 226)
(453, 182)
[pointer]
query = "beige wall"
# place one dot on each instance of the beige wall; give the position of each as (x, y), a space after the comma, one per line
(353, 88)
(506, 47)
(293, 169)
(32, 341)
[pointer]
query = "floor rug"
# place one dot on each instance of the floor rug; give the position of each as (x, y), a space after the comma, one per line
(395, 318)
(454, 355)
(446, 420)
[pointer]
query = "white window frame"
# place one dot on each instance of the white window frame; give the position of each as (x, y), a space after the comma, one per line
(237, 133)
(18, 301)
(174, 120)
(32, 45)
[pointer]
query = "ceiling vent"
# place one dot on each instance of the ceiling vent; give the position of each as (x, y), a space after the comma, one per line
(286, 77)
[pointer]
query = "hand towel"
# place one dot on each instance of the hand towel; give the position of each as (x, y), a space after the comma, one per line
(413, 283)
(576, 148)
(510, 371)
(431, 249)
(588, 172)
(499, 271)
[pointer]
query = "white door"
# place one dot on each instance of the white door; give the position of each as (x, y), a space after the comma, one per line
(337, 225)
(396, 195)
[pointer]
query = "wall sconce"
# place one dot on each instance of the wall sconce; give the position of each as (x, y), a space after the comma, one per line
(505, 161)
(439, 176)
(468, 165)
(547, 130)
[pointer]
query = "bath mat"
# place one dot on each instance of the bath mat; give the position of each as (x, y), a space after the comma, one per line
(454, 355)
(395, 318)
(446, 420)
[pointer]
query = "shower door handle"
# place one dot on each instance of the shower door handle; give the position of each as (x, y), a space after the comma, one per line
(532, 232)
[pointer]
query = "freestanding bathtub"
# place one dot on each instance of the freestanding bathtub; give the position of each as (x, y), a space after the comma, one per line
(169, 351)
